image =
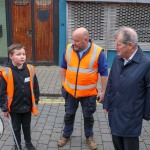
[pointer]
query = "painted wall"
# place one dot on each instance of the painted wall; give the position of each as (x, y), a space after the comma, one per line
(62, 28)
(112, 53)
(3, 39)
(110, 56)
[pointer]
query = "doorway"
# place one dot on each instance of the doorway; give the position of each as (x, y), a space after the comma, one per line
(31, 23)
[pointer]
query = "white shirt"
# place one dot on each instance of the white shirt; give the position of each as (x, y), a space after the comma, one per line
(127, 60)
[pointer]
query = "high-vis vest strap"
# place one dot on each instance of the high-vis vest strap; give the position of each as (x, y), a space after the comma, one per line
(82, 74)
(7, 74)
(32, 73)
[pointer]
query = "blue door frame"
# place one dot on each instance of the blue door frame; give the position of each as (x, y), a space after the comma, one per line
(62, 28)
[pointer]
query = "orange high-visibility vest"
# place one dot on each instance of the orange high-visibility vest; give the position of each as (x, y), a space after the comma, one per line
(8, 76)
(82, 75)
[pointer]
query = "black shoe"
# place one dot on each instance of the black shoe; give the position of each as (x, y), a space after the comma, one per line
(15, 147)
(30, 147)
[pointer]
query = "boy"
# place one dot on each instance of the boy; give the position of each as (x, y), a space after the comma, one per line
(19, 93)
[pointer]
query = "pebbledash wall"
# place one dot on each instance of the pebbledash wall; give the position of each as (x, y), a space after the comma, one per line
(3, 34)
(102, 18)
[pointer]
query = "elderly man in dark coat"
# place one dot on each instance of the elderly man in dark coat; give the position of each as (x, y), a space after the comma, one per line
(127, 97)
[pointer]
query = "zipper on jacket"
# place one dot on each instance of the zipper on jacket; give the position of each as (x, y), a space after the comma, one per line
(77, 76)
(78, 68)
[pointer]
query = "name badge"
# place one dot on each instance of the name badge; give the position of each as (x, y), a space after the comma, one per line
(27, 79)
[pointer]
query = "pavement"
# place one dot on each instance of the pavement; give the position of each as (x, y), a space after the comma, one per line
(47, 127)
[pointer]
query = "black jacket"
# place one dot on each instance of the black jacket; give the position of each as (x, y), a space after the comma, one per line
(22, 101)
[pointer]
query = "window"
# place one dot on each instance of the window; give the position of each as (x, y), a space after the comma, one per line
(43, 2)
(21, 2)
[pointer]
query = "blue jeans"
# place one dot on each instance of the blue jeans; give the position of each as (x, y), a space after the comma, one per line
(88, 108)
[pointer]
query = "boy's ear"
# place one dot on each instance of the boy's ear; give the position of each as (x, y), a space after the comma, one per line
(10, 56)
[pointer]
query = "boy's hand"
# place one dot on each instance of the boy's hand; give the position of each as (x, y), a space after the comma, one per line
(6, 114)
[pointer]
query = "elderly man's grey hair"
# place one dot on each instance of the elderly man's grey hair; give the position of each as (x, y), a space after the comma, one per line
(129, 35)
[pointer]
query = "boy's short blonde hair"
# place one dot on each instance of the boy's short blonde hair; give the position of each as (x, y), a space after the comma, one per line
(13, 47)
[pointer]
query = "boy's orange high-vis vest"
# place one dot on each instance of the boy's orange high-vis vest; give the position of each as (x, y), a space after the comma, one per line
(82, 75)
(7, 74)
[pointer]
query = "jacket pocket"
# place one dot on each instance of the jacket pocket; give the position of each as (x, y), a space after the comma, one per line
(64, 92)
(92, 104)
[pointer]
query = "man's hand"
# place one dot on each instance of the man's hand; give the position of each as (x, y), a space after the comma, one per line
(105, 111)
(100, 97)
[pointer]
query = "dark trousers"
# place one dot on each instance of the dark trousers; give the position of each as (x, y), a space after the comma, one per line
(24, 120)
(88, 108)
(125, 143)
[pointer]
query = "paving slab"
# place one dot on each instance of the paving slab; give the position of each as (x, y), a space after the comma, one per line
(47, 127)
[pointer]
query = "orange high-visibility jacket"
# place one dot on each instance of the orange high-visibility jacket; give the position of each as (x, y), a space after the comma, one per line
(82, 75)
(8, 76)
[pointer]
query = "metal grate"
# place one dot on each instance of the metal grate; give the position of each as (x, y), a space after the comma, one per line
(102, 19)
(88, 15)
(136, 16)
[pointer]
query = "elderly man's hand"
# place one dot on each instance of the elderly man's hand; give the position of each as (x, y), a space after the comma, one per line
(105, 111)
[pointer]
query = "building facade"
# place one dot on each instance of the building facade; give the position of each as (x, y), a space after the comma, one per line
(34, 23)
(45, 26)
(103, 17)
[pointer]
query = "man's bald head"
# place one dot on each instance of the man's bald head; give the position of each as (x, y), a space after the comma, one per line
(80, 38)
(81, 32)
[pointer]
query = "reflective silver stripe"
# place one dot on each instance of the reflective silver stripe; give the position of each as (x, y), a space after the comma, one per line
(79, 87)
(93, 56)
(32, 72)
(69, 55)
(73, 69)
(88, 71)
(81, 70)
(9, 99)
(6, 70)
(32, 92)
(33, 104)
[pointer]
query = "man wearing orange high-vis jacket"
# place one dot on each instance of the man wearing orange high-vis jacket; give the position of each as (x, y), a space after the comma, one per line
(81, 64)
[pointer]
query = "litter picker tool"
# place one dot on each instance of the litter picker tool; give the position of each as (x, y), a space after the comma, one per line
(10, 122)
(1, 127)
